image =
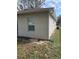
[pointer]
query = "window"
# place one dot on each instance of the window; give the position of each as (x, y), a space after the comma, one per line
(31, 28)
(31, 25)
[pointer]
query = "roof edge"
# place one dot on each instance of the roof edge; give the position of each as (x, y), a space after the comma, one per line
(35, 10)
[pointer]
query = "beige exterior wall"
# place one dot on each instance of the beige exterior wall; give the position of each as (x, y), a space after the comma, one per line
(52, 26)
(40, 21)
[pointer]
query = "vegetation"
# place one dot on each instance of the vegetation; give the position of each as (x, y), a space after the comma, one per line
(57, 43)
(41, 49)
(58, 23)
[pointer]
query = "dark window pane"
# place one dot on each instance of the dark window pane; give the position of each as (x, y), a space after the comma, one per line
(31, 28)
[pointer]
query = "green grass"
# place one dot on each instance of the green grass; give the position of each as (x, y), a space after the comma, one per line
(46, 50)
(57, 38)
(57, 43)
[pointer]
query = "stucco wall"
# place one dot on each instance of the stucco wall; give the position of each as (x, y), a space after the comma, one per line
(52, 26)
(41, 25)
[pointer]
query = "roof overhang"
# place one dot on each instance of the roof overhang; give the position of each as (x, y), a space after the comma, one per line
(35, 10)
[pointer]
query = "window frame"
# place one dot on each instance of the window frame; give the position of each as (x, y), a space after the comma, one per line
(30, 24)
(31, 27)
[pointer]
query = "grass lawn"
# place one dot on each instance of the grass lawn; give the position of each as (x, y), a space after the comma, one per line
(57, 43)
(40, 50)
